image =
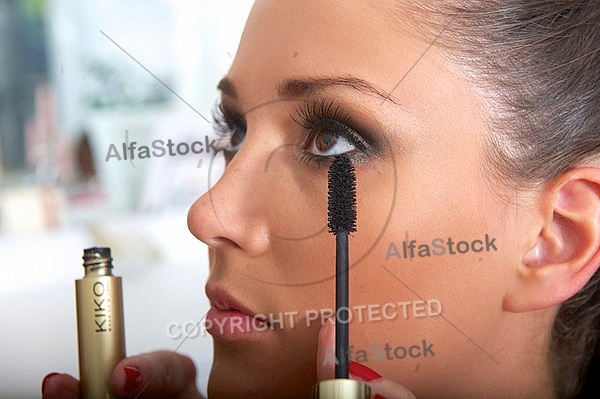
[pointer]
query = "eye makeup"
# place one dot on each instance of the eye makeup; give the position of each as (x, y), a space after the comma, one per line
(230, 129)
(320, 116)
(327, 130)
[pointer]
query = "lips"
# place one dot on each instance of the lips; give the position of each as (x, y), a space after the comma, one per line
(223, 300)
(229, 319)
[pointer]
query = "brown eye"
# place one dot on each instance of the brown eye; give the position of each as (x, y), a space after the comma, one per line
(236, 139)
(324, 140)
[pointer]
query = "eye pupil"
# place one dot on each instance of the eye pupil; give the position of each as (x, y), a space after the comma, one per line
(325, 140)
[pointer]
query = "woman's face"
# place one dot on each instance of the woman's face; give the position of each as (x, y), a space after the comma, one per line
(313, 79)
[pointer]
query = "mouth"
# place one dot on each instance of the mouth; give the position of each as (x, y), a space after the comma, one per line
(231, 320)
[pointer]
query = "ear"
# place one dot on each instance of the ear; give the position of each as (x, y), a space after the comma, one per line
(567, 251)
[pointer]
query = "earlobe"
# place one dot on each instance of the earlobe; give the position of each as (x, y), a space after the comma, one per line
(566, 253)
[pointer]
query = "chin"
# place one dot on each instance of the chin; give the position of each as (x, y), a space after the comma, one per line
(239, 374)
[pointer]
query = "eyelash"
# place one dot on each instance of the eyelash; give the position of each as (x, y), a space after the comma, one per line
(310, 116)
(225, 125)
(326, 114)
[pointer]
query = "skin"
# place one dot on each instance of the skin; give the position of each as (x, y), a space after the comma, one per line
(434, 127)
(428, 180)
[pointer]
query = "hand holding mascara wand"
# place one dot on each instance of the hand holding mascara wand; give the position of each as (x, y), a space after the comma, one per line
(341, 213)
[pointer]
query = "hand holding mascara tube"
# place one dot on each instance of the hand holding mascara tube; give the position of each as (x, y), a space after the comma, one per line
(159, 374)
(103, 369)
(381, 387)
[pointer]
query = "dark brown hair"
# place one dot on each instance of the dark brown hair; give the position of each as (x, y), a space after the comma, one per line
(537, 64)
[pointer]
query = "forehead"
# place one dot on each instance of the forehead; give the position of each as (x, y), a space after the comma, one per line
(311, 39)
(291, 38)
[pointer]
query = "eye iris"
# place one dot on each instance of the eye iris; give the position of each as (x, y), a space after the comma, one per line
(325, 140)
(235, 139)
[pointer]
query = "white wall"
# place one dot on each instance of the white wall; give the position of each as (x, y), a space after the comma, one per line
(187, 44)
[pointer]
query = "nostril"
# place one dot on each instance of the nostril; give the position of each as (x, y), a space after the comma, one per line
(222, 242)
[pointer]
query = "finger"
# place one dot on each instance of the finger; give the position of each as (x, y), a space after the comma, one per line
(160, 374)
(60, 386)
(381, 388)
(387, 389)
(325, 363)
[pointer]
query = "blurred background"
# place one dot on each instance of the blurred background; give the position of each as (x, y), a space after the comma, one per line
(78, 77)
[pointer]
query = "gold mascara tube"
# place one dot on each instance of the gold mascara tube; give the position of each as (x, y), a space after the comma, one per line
(100, 326)
(341, 388)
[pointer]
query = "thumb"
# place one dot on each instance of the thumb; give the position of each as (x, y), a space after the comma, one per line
(159, 374)
(381, 388)
(326, 351)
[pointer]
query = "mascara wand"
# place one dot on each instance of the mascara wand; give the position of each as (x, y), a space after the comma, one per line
(341, 214)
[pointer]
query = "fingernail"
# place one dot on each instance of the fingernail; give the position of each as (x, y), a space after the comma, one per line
(378, 396)
(46, 378)
(363, 372)
(133, 378)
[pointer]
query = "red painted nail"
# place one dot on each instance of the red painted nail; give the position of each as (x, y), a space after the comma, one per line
(378, 396)
(133, 378)
(363, 372)
(46, 378)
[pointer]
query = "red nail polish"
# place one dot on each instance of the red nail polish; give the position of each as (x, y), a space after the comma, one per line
(133, 378)
(363, 372)
(46, 378)
(378, 396)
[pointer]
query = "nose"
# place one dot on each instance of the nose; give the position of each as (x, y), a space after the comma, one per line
(232, 214)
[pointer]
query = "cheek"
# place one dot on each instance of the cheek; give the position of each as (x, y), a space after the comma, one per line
(448, 201)
(295, 207)
(303, 248)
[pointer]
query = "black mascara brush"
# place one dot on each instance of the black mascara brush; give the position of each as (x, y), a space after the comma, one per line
(341, 214)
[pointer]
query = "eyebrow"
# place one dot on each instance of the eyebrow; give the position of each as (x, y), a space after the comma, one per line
(227, 87)
(299, 87)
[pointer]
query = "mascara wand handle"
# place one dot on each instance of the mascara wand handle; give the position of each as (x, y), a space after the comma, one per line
(341, 305)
